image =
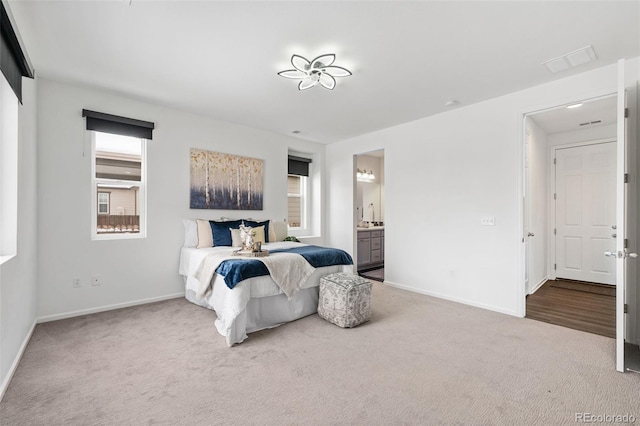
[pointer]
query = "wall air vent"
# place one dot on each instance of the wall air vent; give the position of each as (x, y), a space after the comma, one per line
(588, 123)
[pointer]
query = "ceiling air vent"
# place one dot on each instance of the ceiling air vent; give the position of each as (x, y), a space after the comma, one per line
(571, 59)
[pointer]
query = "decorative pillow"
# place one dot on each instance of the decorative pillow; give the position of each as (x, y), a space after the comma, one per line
(272, 232)
(204, 234)
(190, 233)
(221, 231)
(259, 234)
(236, 241)
(280, 230)
(255, 224)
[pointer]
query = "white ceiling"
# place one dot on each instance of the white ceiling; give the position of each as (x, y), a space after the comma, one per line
(220, 59)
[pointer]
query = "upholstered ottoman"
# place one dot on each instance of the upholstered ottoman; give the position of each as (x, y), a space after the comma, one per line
(345, 299)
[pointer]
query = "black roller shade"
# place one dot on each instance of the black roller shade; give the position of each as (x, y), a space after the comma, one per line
(299, 166)
(13, 62)
(107, 123)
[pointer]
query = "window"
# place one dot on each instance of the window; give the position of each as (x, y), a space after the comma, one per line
(14, 65)
(298, 192)
(103, 203)
(8, 171)
(296, 197)
(118, 175)
(118, 186)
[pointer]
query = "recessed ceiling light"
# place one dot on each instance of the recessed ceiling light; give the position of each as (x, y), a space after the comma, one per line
(578, 105)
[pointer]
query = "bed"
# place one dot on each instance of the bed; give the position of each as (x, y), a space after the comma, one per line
(257, 302)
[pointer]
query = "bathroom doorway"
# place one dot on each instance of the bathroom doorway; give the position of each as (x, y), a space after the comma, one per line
(369, 217)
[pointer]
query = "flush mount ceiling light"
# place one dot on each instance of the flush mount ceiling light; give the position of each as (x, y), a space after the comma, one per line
(572, 106)
(311, 73)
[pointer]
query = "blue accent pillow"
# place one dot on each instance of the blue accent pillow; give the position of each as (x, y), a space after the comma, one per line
(221, 233)
(255, 224)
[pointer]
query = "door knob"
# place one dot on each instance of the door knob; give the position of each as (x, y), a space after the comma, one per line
(530, 234)
(611, 254)
(634, 255)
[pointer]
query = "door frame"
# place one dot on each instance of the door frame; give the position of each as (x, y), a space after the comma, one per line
(551, 205)
(521, 291)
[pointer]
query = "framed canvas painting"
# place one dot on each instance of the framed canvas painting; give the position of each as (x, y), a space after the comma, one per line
(226, 182)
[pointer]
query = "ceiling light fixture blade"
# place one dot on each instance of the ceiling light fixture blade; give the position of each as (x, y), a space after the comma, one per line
(327, 81)
(292, 74)
(300, 63)
(337, 71)
(307, 83)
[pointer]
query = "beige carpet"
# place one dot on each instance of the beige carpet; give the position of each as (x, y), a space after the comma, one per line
(420, 360)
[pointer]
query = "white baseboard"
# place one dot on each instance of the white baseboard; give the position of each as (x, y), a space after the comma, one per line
(72, 314)
(16, 361)
(453, 299)
(537, 286)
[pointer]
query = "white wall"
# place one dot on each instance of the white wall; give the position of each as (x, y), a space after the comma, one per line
(583, 135)
(18, 276)
(140, 269)
(443, 173)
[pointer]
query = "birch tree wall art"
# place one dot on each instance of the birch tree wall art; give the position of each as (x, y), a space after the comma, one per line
(225, 181)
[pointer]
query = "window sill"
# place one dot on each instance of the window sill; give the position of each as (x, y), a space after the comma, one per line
(307, 237)
(107, 237)
(4, 259)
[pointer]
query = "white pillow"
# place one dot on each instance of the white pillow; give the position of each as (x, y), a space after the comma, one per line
(190, 233)
(205, 236)
(236, 241)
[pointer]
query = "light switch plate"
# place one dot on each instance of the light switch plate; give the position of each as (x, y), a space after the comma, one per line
(488, 220)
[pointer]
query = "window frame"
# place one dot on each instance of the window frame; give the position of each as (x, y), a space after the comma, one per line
(9, 163)
(142, 194)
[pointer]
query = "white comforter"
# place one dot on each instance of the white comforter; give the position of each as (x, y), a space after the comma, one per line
(288, 270)
(233, 321)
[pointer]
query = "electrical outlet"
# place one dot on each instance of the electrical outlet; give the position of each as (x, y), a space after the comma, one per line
(76, 282)
(95, 280)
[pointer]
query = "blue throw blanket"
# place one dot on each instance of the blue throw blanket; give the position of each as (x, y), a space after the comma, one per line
(236, 270)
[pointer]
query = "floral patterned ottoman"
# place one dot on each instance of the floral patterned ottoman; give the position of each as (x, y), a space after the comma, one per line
(345, 299)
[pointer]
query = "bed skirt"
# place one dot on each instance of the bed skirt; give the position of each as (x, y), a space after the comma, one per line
(260, 313)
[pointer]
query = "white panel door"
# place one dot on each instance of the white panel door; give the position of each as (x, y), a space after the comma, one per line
(586, 212)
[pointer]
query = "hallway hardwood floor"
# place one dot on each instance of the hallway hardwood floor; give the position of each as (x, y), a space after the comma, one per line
(580, 310)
